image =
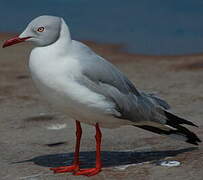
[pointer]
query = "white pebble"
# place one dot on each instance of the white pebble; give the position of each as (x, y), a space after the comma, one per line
(56, 126)
(170, 163)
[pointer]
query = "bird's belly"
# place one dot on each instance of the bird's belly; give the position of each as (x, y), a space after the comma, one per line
(86, 107)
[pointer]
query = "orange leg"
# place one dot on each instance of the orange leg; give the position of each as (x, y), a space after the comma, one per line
(75, 165)
(97, 169)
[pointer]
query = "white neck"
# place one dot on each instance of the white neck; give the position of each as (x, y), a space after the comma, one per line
(64, 37)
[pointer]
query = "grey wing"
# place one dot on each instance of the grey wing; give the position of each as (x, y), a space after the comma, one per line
(104, 78)
(157, 100)
(98, 70)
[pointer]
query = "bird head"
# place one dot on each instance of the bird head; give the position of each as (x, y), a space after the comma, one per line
(42, 31)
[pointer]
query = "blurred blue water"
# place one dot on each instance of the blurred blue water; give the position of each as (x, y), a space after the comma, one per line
(145, 26)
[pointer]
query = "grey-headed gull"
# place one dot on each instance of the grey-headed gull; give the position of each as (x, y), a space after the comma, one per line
(91, 90)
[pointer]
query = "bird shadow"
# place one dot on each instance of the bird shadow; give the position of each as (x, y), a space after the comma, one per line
(109, 158)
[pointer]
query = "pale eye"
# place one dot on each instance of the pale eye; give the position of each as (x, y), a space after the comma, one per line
(40, 29)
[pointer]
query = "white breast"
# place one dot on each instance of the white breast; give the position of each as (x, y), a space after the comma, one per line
(55, 79)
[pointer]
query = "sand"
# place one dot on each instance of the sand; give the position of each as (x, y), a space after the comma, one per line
(27, 121)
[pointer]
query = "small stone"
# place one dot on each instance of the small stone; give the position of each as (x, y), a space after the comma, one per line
(169, 163)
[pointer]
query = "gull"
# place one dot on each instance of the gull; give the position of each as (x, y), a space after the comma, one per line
(91, 90)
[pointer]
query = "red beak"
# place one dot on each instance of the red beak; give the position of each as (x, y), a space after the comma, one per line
(14, 40)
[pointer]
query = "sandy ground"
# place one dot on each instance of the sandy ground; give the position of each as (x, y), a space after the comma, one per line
(34, 137)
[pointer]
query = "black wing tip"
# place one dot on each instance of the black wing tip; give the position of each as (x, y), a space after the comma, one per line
(194, 142)
(192, 138)
(189, 136)
(196, 125)
(192, 124)
(178, 120)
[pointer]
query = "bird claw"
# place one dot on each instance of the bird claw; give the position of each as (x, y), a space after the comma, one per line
(63, 169)
(88, 172)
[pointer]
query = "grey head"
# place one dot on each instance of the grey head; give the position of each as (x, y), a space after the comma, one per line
(43, 30)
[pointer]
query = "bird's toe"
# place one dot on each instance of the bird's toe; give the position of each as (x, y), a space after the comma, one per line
(88, 172)
(64, 169)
